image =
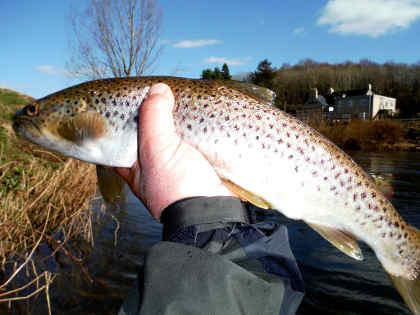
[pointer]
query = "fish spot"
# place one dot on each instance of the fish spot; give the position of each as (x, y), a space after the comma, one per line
(354, 197)
(325, 178)
(122, 116)
(201, 120)
(189, 126)
(290, 156)
(288, 145)
(107, 114)
(363, 195)
(333, 188)
(373, 194)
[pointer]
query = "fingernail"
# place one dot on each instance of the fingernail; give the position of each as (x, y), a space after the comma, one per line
(159, 88)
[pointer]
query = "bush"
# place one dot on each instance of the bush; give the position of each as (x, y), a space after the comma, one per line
(361, 134)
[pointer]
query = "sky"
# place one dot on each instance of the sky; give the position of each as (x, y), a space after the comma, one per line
(36, 35)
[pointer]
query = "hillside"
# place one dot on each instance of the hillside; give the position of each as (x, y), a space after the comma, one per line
(10, 102)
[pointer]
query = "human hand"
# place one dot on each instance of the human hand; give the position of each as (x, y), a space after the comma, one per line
(167, 169)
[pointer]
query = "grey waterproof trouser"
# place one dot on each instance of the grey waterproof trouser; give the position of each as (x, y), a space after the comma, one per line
(214, 261)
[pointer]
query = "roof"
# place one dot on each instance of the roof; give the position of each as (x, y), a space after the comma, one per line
(350, 92)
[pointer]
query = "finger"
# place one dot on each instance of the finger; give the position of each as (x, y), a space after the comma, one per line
(156, 125)
(124, 172)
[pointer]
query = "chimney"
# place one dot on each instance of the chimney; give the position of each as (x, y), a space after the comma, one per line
(315, 93)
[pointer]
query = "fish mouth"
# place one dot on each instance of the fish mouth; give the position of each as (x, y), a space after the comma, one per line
(26, 128)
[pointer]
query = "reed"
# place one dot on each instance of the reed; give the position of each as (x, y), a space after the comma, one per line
(41, 192)
(366, 135)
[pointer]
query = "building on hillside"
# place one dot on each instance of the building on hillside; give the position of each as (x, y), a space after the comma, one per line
(344, 105)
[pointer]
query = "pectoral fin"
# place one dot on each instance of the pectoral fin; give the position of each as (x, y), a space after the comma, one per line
(342, 240)
(83, 125)
(111, 185)
(247, 195)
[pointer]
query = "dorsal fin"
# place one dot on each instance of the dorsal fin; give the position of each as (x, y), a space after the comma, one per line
(256, 91)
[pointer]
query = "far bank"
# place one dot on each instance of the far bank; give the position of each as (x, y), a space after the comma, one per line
(372, 135)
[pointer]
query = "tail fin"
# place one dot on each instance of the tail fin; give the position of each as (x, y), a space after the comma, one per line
(409, 290)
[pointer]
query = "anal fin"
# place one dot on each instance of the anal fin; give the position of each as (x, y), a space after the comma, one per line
(111, 185)
(247, 195)
(340, 239)
(409, 291)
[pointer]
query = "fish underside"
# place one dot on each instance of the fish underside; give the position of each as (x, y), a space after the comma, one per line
(261, 153)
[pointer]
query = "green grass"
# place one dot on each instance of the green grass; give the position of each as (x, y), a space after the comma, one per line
(10, 102)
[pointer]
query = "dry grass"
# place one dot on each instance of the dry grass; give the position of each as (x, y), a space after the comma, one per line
(362, 134)
(40, 192)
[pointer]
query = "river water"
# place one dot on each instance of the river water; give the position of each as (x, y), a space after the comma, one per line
(335, 283)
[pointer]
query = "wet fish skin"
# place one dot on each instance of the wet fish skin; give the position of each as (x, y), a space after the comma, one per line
(265, 151)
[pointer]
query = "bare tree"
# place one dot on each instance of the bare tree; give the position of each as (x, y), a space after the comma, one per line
(114, 38)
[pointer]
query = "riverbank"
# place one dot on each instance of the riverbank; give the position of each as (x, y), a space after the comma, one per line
(376, 135)
(41, 192)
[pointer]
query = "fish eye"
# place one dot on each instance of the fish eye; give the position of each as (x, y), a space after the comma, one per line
(32, 109)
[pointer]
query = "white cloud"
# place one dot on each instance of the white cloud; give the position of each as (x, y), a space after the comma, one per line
(369, 17)
(229, 62)
(196, 43)
(51, 70)
(298, 31)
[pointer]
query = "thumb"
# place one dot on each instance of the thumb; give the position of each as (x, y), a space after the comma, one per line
(156, 125)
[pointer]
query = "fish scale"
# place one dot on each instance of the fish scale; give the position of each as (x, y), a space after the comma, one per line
(263, 154)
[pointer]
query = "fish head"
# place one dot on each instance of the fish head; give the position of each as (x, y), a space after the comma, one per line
(64, 122)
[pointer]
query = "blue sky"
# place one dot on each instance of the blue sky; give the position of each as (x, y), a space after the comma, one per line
(35, 36)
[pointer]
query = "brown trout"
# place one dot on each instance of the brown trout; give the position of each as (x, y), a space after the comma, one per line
(261, 153)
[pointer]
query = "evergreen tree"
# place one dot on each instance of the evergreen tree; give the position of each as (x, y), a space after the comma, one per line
(207, 74)
(225, 72)
(265, 74)
(217, 74)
